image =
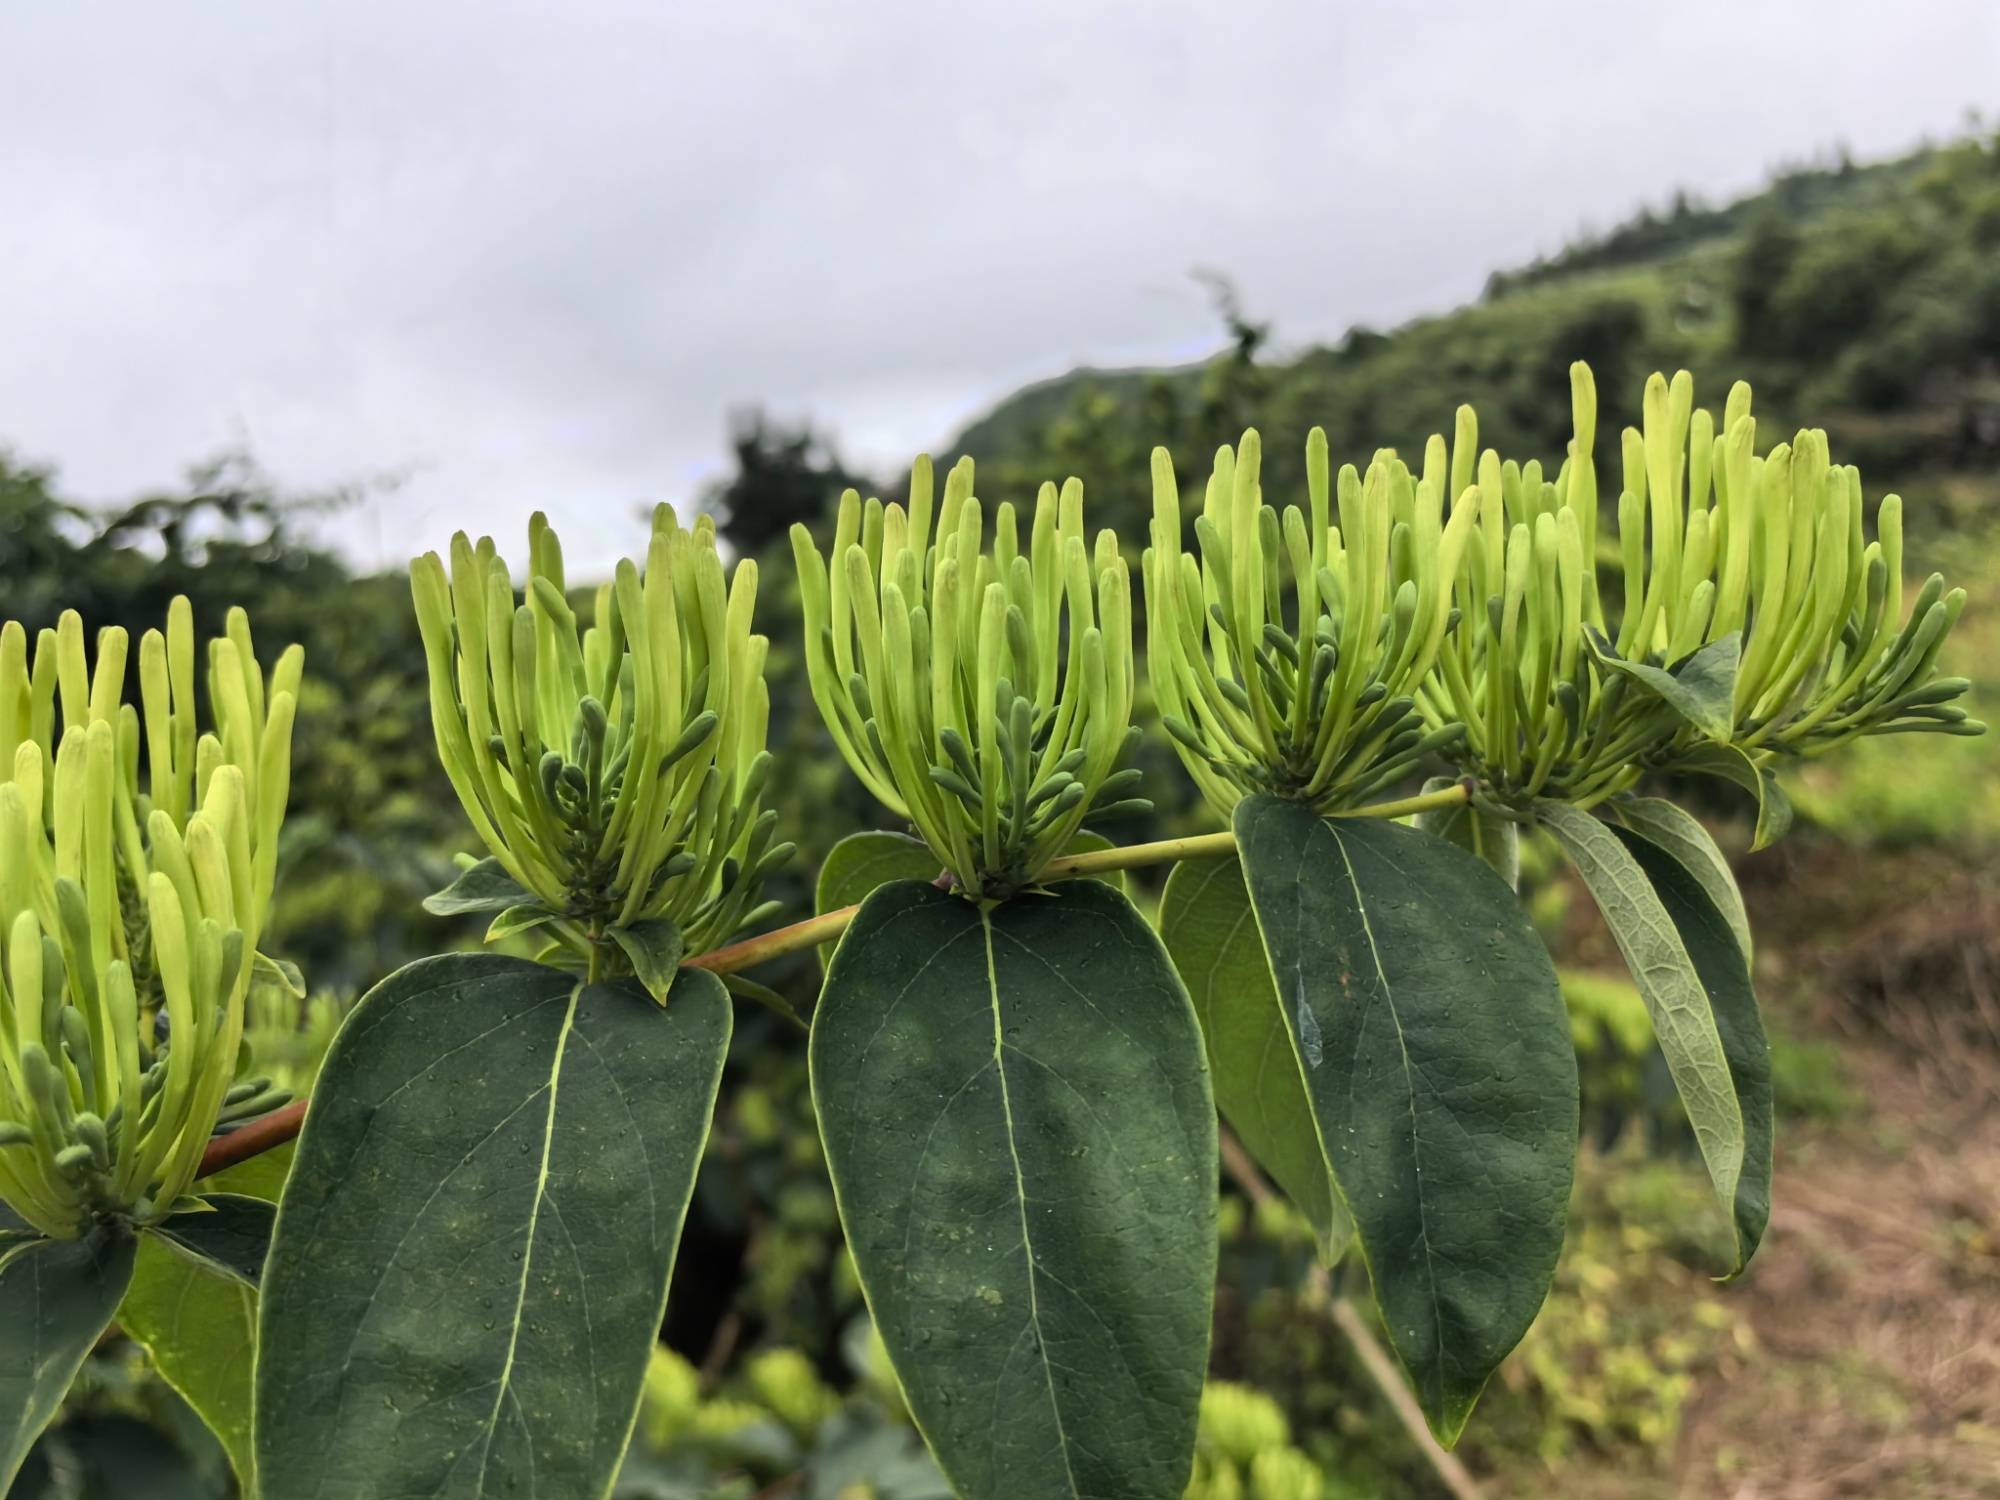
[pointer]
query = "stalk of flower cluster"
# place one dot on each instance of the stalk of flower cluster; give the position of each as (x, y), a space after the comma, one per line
(979, 688)
(119, 900)
(1317, 703)
(614, 771)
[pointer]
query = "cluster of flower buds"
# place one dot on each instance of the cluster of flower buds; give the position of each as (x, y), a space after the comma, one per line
(1752, 611)
(1541, 714)
(125, 901)
(1318, 703)
(614, 772)
(1763, 563)
(983, 691)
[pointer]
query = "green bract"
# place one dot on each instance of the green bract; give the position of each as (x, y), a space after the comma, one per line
(123, 895)
(613, 771)
(983, 692)
(1317, 703)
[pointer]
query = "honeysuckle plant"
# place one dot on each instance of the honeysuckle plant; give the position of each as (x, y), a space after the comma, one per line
(1017, 1074)
(132, 908)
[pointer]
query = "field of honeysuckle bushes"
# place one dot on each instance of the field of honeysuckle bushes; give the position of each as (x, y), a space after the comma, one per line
(1850, 1358)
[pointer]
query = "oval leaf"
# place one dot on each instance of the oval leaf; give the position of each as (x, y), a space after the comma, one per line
(1211, 933)
(1431, 1034)
(485, 886)
(1680, 834)
(1712, 946)
(1018, 1122)
(472, 1254)
(1683, 1011)
(56, 1296)
(230, 1240)
(199, 1324)
(1701, 687)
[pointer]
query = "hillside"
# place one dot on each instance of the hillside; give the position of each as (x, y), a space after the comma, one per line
(1865, 299)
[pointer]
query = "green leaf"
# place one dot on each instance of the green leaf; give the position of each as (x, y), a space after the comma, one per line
(200, 1325)
(1713, 946)
(56, 1298)
(523, 918)
(1211, 933)
(1739, 768)
(862, 862)
(1431, 1033)
(1680, 834)
(485, 887)
(1680, 1003)
(472, 1253)
(231, 1240)
(1018, 1123)
(1479, 832)
(1701, 687)
(764, 995)
(654, 948)
(282, 972)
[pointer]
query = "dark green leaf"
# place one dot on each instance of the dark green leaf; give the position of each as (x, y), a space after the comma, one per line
(654, 949)
(1209, 929)
(472, 1254)
(1481, 833)
(1676, 996)
(1701, 688)
(200, 1325)
(1018, 1122)
(1736, 766)
(56, 1296)
(1681, 835)
(231, 1239)
(1435, 1048)
(485, 887)
(1711, 944)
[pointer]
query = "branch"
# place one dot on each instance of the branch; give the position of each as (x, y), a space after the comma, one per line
(282, 1125)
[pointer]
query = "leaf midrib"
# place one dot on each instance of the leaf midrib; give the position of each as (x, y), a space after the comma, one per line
(1410, 1090)
(1021, 1200)
(528, 1248)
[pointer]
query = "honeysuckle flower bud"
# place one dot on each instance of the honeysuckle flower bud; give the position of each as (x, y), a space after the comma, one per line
(123, 897)
(613, 771)
(1317, 700)
(980, 688)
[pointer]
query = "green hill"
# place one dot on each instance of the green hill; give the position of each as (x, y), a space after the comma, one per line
(1864, 299)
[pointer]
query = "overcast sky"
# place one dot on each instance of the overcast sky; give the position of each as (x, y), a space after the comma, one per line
(528, 254)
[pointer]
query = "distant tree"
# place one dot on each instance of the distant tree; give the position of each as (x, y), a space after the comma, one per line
(785, 472)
